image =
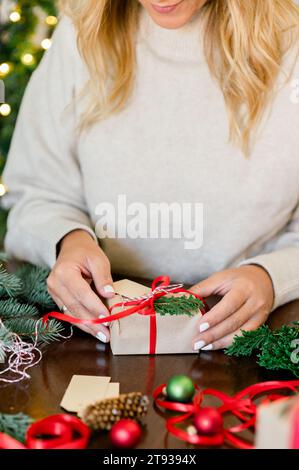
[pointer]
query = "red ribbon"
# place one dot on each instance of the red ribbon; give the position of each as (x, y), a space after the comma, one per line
(241, 405)
(141, 306)
(63, 432)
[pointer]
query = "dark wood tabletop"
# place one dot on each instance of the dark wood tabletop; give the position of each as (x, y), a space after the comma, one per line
(82, 354)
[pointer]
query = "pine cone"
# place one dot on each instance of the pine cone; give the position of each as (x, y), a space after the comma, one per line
(103, 414)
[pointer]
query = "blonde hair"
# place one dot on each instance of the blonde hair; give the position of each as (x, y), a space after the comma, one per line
(244, 43)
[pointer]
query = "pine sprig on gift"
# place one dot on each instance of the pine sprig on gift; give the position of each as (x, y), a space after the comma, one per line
(15, 425)
(274, 349)
(182, 305)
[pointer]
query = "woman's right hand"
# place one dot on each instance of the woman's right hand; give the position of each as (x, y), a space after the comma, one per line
(80, 262)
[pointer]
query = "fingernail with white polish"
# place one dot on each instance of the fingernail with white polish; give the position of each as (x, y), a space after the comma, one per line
(105, 323)
(101, 337)
(204, 327)
(208, 347)
(199, 345)
(108, 289)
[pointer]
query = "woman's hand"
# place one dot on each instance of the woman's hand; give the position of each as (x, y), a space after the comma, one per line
(246, 304)
(80, 262)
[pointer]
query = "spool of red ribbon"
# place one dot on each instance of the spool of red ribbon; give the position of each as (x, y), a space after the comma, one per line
(241, 405)
(60, 431)
(143, 306)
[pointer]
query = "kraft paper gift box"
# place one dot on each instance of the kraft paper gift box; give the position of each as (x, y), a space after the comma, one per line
(131, 335)
(277, 424)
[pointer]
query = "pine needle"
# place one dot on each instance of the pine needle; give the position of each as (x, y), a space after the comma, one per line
(46, 332)
(5, 341)
(10, 284)
(12, 308)
(23, 298)
(34, 286)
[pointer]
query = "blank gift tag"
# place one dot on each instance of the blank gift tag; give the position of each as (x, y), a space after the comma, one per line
(112, 390)
(84, 390)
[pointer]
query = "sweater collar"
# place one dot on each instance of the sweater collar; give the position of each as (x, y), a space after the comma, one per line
(182, 44)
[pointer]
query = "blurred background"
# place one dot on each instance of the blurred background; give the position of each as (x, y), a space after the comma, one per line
(26, 28)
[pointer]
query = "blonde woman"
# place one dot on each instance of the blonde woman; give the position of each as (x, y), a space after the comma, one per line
(169, 101)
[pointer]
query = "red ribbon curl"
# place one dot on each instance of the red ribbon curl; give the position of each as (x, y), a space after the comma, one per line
(142, 306)
(63, 432)
(241, 405)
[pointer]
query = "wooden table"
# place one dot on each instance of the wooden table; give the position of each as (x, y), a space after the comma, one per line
(40, 396)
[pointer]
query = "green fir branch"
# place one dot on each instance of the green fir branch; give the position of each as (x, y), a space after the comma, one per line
(23, 298)
(249, 341)
(34, 286)
(182, 305)
(27, 328)
(15, 425)
(276, 353)
(5, 341)
(13, 308)
(273, 348)
(10, 284)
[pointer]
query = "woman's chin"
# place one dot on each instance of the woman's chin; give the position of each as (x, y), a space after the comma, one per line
(168, 22)
(175, 18)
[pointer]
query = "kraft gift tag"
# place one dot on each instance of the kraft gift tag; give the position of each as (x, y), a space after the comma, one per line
(86, 389)
(130, 289)
(112, 390)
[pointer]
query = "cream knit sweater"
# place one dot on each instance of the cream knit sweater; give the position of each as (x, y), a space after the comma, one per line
(169, 145)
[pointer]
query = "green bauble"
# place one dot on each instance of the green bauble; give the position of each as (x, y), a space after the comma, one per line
(180, 388)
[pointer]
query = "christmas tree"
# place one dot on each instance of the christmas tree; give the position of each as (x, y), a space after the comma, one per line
(26, 27)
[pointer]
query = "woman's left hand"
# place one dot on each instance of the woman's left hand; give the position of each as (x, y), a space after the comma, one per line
(247, 301)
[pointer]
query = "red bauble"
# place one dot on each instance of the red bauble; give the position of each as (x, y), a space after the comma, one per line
(126, 433)
(208, 421)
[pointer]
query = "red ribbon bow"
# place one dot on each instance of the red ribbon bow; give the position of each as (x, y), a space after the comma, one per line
(143, 306)
(63, 432)
(240, 405)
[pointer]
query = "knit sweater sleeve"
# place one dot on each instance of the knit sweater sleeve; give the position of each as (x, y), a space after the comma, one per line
(43, 173)
(281, 261)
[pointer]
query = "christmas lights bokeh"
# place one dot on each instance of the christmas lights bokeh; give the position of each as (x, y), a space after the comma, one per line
(26, 28)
